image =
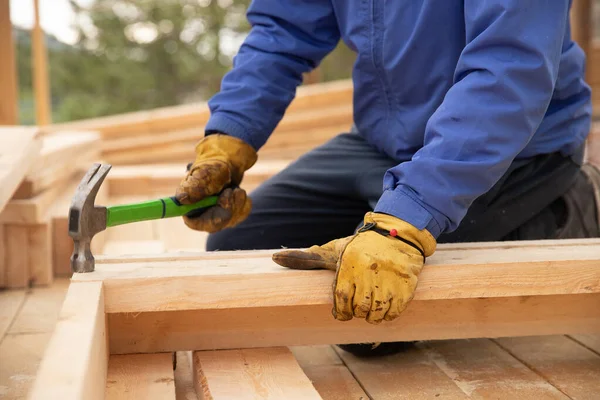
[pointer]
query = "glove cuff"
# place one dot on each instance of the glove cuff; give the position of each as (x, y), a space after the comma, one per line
(403, 230)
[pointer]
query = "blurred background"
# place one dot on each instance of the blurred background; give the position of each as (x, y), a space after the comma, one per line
(114, 56)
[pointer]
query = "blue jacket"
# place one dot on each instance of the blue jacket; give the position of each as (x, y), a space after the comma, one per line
(454, 90)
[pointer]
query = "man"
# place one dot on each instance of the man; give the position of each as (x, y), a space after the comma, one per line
(470, 122)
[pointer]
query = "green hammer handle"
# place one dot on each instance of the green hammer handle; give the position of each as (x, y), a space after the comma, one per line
(166, 207)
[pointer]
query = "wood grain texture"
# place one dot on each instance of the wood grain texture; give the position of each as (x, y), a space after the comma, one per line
(226, 328)
(410, 375)
(132, 180)
(16, 259)
(33, 210)
(140, 376)
(483, 370)
(570, 367)
(259, 282)
(251, 374)
(10, 303)
(328, 374)
(24, 354)
(19, 149)
(75, 363)
(39, 253)
(197, 114)
(41, 309)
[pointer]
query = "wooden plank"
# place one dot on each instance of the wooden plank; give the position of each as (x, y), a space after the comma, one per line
(24, 353)
(162, 180)
(9, 112)
(140, 376)
(41, 85)
(126, 247)
(73, 160)
(16, 262)
(227, 328)
(483, 370)
(75, 363)
(270, 373)
(567, 365)
(327, 372)
(33, 210)
(18, 151)
(259, 282)
(184, 379)
(41, 309)
(39, 253)
(408, 375)
(197, 114)
(11, 302)
(592, 342)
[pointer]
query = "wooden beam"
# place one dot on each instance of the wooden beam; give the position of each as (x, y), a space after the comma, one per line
(19, 149)
(581, 23)
(247, 374)
(131, 180)
(449, 274)
(481, 290)
(197, 114)
(41, 85)
(62, 156)
(75, 363)
(140, 376)
(9, 86)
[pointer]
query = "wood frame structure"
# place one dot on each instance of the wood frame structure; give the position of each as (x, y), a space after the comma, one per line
(223, 301)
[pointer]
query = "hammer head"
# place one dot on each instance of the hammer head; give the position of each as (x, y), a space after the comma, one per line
(86, 219)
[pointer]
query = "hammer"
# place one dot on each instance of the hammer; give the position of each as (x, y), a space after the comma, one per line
(87, 219)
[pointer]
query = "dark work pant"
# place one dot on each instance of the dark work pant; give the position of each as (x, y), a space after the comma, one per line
(325, 193)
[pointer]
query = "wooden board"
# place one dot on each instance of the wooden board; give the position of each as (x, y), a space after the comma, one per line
(163, 180)
(483, 290)
(75, 362)
(329, 375)
(62, 156)
(140, 376)
(448, 275)
(249, 374)
(10, 303)
(19, 149)
(197, 114)
(34, 210)
(570, 367)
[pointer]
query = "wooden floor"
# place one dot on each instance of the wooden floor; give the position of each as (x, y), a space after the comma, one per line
(554, 367)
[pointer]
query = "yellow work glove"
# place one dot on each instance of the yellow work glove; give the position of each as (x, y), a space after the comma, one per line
(376, 269)
(219, 167)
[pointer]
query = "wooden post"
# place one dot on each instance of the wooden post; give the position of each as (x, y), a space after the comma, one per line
(40, 71)
(581, 26)
(9, 111)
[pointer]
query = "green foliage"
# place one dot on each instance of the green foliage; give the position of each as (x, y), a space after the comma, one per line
(141, 54)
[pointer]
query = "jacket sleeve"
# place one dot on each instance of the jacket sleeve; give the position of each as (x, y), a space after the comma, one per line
(503, 84)
(287, 38)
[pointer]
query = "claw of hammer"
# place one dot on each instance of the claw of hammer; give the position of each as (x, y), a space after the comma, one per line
(85, 219)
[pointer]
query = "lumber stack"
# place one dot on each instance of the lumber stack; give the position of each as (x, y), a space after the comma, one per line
(168, 135)
(239, 313)
(33, 221)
